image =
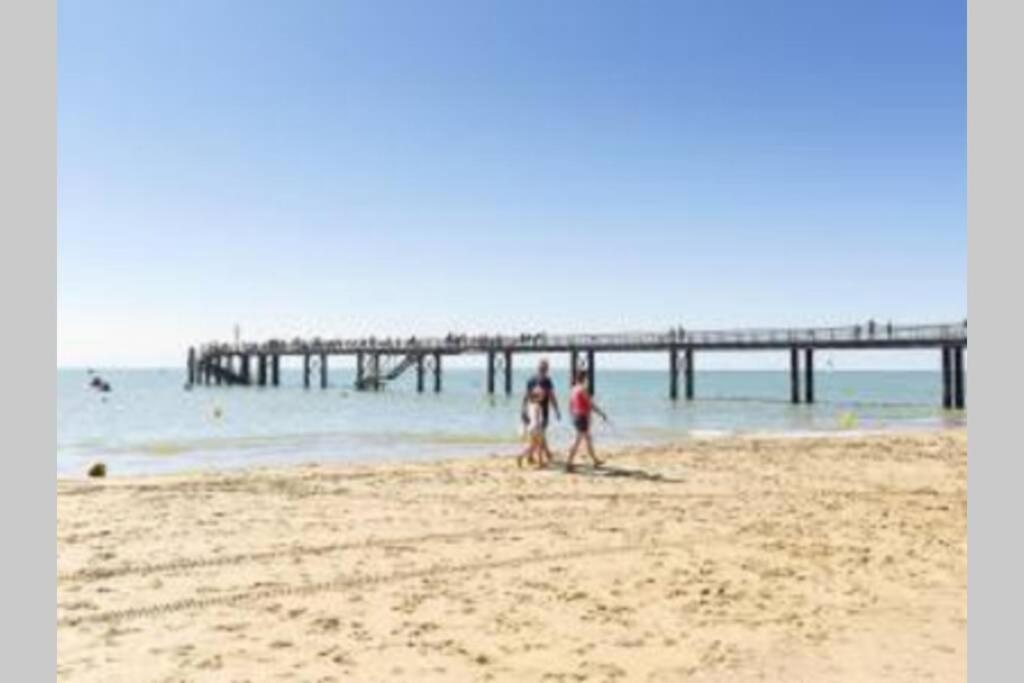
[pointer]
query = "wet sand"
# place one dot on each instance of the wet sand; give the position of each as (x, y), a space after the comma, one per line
(818, 559)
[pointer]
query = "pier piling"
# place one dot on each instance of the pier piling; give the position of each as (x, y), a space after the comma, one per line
(261, 370)
(490, 372)
(794, 374)
(508, 373)
(673, 373)
(323, 370)
(959, 390)
(947, 377)
(689, 373)
(305, 370)
(275, 368)
(591, 373)
(437, 373)
(191, 365)
(809, 375)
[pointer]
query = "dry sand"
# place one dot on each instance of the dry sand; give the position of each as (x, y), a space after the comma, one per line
(831, 559)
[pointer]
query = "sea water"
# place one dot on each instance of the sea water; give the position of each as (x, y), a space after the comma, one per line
(149, 423)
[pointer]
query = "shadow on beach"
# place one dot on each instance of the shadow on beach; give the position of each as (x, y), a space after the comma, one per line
(611, 471)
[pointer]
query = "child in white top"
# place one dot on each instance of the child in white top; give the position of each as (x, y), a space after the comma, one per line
(534, 423)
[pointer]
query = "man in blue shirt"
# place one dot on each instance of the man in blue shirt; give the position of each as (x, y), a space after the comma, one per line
(543, 381)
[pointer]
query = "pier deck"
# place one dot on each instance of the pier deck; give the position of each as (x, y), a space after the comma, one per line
(379, 361)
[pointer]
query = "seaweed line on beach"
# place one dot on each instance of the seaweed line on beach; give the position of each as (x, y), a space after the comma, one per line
(291, 551)
(344, 583)
(306, 550)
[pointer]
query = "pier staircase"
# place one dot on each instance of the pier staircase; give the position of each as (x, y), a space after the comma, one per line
(226, 375)
(376, 378)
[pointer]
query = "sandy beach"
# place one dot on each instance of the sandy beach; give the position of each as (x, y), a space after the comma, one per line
(817, 559)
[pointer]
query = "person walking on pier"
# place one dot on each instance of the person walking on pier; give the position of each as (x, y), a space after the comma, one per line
(581, 405)
(548, 401)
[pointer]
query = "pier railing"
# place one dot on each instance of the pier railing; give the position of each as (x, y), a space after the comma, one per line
(867, 335)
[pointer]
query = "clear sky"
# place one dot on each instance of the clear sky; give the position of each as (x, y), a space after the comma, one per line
(344, 168)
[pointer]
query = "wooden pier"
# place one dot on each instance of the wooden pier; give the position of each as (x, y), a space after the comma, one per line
(379, 361)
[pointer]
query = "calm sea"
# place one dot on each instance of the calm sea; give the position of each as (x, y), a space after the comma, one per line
(148, 423)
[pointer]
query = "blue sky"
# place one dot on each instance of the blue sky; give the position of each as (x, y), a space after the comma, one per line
(409, 167)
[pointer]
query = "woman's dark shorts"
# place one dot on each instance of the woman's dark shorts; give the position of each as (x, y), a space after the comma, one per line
(582, 423)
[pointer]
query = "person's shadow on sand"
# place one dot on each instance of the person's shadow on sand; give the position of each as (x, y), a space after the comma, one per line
(612, 471)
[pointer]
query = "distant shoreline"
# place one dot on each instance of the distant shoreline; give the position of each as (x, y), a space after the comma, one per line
(724, 440)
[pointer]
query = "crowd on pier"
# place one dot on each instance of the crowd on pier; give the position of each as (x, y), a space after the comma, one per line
(871, 330)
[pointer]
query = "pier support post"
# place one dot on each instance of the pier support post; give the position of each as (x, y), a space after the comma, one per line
(947, 377)
(275, 368)
(261, 366)
(437, 372)
(246, 369)
(218, 376)
(360, 368)
(375, 364)
(673, 373)
(323, 370)
(305, 370)
(191, 365)
(689, 373)
(958, 377)
(490, 372)
(794, 374)
(591, 373)
(419, 373)
(574, 362)
(508, 373)
(809, 375)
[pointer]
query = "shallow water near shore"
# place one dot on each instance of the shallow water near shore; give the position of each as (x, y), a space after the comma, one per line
(150, 424)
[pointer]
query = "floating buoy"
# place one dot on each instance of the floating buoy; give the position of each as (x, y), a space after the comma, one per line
(847, 420)
(97, 470)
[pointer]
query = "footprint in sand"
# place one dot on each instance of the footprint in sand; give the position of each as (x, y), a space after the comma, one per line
(215, 662)
(326, 624)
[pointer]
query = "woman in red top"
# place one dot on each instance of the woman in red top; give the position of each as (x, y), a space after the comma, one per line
(581, 405)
